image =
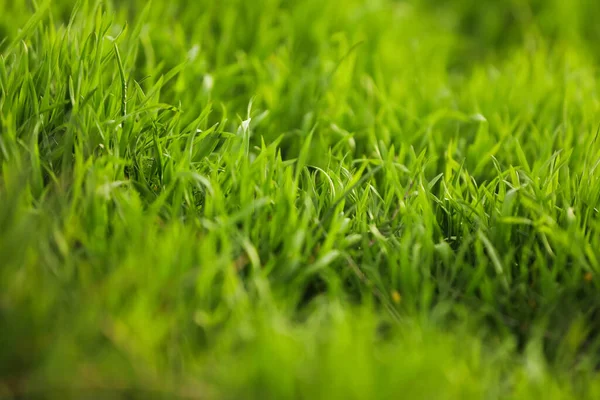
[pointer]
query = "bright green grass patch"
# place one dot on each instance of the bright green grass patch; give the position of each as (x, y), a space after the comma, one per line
(299, 199)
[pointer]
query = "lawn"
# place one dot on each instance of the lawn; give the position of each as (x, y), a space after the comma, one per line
(299, 199)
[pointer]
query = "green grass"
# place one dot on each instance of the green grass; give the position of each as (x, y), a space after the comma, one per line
(270, 199)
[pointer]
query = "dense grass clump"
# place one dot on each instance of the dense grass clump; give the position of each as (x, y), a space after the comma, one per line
(299, 199)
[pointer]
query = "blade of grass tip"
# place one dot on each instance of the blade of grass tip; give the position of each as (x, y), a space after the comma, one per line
(588, 152)
(246, 129)
(161, 82)
(74, 12)
(123, 82)
(3, 77)
(303, 156)
(30, 25)
(332, 208)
